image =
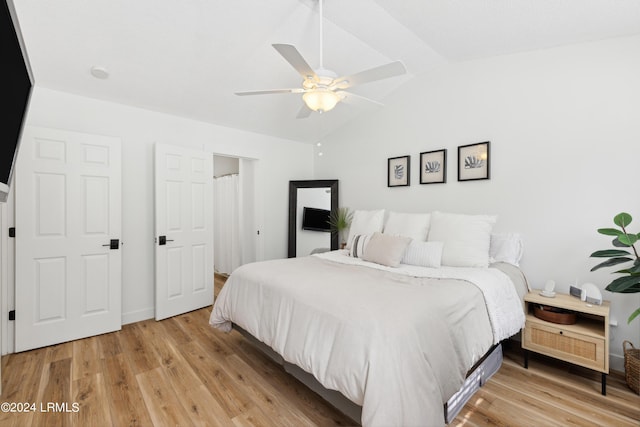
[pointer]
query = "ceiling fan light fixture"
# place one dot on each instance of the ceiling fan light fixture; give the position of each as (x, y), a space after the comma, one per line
(321, 100)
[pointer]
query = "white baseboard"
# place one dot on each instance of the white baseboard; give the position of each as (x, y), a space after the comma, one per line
(138, 316)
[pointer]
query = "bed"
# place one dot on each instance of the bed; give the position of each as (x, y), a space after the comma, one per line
(396, 340)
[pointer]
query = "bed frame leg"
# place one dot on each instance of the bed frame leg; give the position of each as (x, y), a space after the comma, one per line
(526, 359)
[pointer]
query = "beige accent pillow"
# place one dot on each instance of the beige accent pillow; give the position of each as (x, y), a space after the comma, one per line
(385, 249)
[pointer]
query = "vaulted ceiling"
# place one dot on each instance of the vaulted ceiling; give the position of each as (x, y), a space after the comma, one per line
(188, 57)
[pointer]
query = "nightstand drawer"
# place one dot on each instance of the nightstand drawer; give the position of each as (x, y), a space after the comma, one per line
(565, 344)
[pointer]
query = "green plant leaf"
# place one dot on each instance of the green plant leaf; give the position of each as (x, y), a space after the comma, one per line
(633, 315)
(628, 239)
(610, 231)
(608, 253)
(340, 219)
(618, 244)
(610, 262)
(633, 289)
(631, 271)
(625, 284)
(622, 219)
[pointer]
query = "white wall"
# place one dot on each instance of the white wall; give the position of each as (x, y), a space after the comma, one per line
(278, 162)
(564, 126)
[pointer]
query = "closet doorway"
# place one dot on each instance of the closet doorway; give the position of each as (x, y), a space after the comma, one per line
(234, 219)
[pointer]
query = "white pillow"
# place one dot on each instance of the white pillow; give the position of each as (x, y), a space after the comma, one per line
(386, 249)
(365, 222)
(359, 245)
(424, 254)
(506, 247)
(415, 226)
(466, 238)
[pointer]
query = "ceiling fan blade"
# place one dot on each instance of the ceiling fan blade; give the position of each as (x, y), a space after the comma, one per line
(270, 91)
(293, 57)
(353, 99)
(391, 69)
(304, 112)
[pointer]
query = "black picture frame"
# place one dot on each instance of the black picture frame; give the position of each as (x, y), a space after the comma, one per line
(474, 161)
(399, 171)
(433, 167)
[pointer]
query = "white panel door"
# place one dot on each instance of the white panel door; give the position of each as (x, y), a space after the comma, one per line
(184, 230)
(68, 211)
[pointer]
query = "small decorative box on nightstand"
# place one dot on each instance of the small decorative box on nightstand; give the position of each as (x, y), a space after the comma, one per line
(584, 343)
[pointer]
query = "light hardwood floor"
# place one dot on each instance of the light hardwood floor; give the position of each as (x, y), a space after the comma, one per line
(181, 372)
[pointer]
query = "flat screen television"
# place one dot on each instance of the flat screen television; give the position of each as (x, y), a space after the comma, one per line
(16, 85)
(315, 219)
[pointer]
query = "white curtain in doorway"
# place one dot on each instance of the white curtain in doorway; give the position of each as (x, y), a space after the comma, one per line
(227, 250)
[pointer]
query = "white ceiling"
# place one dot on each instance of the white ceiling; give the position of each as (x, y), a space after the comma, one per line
(188, 57)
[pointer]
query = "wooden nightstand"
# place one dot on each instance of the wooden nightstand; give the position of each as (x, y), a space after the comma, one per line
(584, 343)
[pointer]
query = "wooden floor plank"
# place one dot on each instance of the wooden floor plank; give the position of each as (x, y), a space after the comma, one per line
(59, 352)
(265, 395)
(231, 397)
(21, 377)
(135, 347)
(172, 330)
(566, 398)
(55, 390)
(203, 409)
(126, 405)
(161, 401)
(89, 396)
(109, 345)
(253, 418)
(530, 410)
(85, 358)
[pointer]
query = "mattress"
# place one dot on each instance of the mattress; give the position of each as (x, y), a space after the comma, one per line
(397, 343)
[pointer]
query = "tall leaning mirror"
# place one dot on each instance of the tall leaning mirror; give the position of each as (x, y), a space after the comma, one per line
(310, 203)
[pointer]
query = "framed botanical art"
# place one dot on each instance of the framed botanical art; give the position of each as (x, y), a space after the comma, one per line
(433, 167)
(398, 171)
(474, 161)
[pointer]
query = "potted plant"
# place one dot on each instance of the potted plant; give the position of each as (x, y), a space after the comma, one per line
(629, 282)
(339, 221)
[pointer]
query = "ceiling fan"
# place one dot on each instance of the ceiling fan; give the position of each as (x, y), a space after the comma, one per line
(322, 89)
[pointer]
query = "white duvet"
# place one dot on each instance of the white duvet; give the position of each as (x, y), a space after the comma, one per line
(398, 342)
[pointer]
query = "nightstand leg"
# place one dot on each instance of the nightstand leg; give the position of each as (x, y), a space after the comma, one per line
(604, 384)
(526, 359)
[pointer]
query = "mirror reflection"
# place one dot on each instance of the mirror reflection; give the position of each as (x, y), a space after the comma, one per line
(310, 204)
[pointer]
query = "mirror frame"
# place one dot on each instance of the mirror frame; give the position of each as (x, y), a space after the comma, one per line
(293, 203)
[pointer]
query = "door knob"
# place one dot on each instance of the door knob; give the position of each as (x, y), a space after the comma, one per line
(113, 244)
(162, 240)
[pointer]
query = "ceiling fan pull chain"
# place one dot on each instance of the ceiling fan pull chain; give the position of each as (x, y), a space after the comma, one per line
(321, 49)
